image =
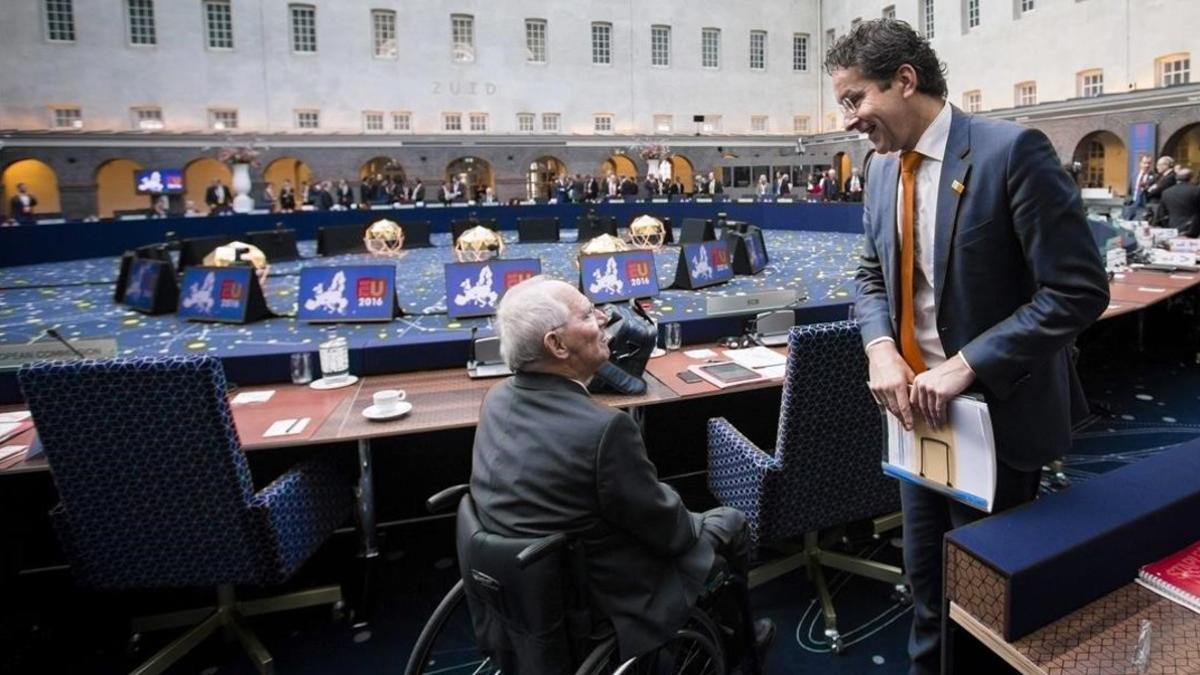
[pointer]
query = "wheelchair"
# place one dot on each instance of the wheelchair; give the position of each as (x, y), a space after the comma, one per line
(529, 596)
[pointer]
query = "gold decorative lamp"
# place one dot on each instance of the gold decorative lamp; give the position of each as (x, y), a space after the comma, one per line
(384, 238)
(227, 255)
(605, 243)
(478, 244)
(648, 232)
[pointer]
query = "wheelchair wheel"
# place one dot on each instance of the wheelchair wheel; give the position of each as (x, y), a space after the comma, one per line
(447, 642)
(693, 650)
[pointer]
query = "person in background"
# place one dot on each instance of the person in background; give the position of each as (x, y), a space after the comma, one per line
(345, 194)
(1016, 273)
(287, 197)
(1145, 178)
(1180, 206)
(854, 186)
(417, 196)
(813, 187)
(161, 207)
(764, 187)
(21, 205)
(714, 185)
(218, 198)
(323, 195)
(829, 186)
(489, 196)
(268, 197)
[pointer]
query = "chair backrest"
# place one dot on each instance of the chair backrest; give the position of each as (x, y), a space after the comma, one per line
(696, 230)
(340, 239)
(153, 484)
(830, 438)
(416, 233)
(193, 249)
(537, 230)
(594, 226)
(529, 620)
(278, 245)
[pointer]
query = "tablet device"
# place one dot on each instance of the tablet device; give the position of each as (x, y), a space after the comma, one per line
(726, 373)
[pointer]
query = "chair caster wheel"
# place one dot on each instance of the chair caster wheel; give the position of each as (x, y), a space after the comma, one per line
(902, 594)
(337, 611)
(835, 640)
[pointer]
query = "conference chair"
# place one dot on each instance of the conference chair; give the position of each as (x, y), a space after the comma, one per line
(155, 493)
(341, 239)
(824, 471)
(537, 230)
(416, 233)
(696, 230)
(279, 245)
(592, 226)
(192, 250)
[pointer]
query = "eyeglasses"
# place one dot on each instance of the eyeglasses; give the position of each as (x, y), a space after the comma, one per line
(592, 312)
(850, 104)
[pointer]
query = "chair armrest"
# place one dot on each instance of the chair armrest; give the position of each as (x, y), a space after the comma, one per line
(299, 510)
(736, 466)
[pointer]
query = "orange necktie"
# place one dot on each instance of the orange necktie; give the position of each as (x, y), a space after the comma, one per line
(909, 348)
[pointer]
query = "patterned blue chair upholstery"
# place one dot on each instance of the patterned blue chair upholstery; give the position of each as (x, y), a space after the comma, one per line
(825, 469)
(155, 490)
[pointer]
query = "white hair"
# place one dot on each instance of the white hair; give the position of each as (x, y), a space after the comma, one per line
(527, 312)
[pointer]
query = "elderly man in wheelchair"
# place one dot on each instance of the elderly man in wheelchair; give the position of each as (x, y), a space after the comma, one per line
(573, 556)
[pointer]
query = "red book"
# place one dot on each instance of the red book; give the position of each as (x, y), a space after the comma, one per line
(1176, 577)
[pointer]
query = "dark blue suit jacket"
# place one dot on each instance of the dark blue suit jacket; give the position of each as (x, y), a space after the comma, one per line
(1016, 277)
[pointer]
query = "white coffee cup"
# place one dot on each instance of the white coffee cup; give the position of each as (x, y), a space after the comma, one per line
(388, 400)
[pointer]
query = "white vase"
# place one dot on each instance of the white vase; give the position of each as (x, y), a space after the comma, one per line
(242, 201)
(651, 167)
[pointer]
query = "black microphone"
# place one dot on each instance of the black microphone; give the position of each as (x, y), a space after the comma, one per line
(54, 334)
(471, 347)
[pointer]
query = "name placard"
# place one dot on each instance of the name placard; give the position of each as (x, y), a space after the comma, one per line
(475, 288)
(613, 277)
(12, 356)
(749, 250)
(347, 293)
(703, 264)
(222, 294)
(151, 286)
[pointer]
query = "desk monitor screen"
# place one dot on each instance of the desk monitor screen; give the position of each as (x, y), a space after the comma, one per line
(352, 293)
(159, 181)
(475, 288)
(613, 277)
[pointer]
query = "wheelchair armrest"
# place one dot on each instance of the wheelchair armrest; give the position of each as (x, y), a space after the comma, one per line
(446, 499)
(541, 548)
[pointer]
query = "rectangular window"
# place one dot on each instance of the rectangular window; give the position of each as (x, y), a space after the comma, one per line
(401, 121)
(524, 121)
(1027, 5)
(451, 122)
(218, 24)
(60, 21)
(304, 28)
(141, 22)
(550, 122)
(478, 121)
(758, 50)
(1091, 83)
(601, 44)
(927, 18)
(710, 47)
(972, 101)
(1026, 93)
(800, 52)
(1175, 70)
(800, 124)
(535, 40)
(972, 13)
(67, 118)
(663, 123)
(711, 124)
(602, 124)
(383, 34)
(148, 118)
(889, 12)
(462, 38)
(758, 123)
(372, 121)
(660, 45)
(222, 120)
(308, 119)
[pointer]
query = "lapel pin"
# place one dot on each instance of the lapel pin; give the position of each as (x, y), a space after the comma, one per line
(958, 187)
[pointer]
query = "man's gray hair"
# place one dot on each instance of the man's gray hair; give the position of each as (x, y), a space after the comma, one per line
(1183, 175)
(527, 312)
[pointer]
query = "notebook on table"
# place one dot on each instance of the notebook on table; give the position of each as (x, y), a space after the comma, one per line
(1175, 577)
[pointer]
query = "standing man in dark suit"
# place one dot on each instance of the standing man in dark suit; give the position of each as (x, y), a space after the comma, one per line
(21, 205)
(1145, 179)
(978, 271)
(418, 192)
(830, 190)
(218, 198)
(1163, 181)
(1181, 205)
(548, 459)
(854, 186)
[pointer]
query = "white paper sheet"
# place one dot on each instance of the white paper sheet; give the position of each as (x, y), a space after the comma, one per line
(253, 397)
(756, 357)
(14, 416)
(286, 427)
(700, 353)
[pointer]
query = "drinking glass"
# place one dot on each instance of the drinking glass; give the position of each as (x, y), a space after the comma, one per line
(301, 368)
(672, 336)
(335, 359)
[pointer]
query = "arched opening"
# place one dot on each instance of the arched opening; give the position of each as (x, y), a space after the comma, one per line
(40, 181)
(115, 188)
(1184, 146)
(475, 172)
(1103, 161)
(383, 168)
(198, 175)
(843, 164)
(618, 165)
(681, 168)
(289, 169)
(542, 173)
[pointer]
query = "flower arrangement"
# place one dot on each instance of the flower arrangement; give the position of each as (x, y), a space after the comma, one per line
(650, 150)
(239, 155)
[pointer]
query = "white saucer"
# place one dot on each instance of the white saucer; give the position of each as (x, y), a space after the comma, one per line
(658, 351)
(372, 413)
(324, 383)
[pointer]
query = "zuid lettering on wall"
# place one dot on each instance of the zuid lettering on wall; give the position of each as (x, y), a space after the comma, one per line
(463, 88)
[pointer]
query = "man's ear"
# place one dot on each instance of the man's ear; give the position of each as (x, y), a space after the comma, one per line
(555, 347)
(906, 77)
